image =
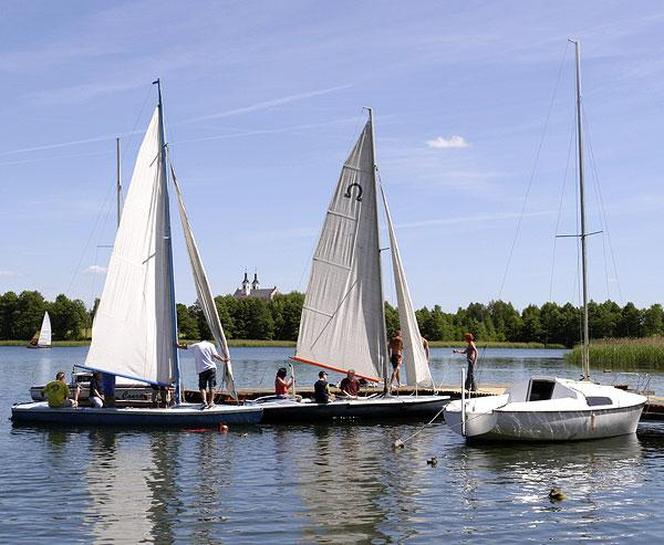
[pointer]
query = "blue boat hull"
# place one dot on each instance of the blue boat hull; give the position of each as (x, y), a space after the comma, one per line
(182, 416)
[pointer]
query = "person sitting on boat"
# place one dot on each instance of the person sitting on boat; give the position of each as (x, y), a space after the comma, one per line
(281, 385)
(425, 345)
(96, 397)
(396, 356)
(350, 385)
(204, 355)
(108, 388)
(322, 389)
(57, 393)
(471, 357)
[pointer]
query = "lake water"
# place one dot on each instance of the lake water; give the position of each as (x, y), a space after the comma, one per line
(319, 484)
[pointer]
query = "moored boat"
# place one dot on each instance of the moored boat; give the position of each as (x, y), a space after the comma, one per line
(552, 408)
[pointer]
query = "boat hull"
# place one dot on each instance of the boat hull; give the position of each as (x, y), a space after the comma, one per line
(564, 425)
(182, 416)
(278, 411)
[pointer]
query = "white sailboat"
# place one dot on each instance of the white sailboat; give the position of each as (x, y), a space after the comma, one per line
(552, 408)
(134, 334)
(343, 317)
(42, 339)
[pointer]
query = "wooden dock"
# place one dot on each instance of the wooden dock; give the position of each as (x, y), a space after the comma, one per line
(654, 409)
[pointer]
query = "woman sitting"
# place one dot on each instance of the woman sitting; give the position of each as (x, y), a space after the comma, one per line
(281, 385)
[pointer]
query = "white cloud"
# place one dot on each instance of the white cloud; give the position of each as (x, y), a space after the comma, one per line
(451, 142)
(95, 269)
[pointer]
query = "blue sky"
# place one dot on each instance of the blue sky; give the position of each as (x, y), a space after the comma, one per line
(264, 100)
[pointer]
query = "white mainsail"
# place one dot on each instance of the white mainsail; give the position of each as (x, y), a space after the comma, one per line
(205, 298)
(414, 355)
(133, 334)
(45, 332)
(342, 317)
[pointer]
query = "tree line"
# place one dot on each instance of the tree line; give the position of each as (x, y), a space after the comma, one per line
(252, 318)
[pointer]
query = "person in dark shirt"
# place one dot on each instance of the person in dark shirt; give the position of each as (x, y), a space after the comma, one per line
(96, 397)
(350, 385)
(322, 389)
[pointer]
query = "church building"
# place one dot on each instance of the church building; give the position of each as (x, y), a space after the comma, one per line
(253, 289)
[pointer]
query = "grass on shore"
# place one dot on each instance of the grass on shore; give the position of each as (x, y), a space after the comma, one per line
(623, 354)
(276, 343)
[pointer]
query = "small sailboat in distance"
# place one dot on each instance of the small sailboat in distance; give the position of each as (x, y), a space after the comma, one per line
(42, 338)
(552, 408)
(134, 334)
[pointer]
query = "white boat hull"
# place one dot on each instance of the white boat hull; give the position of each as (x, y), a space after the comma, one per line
(567, 418)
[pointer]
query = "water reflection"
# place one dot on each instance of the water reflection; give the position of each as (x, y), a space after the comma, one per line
(117, 487)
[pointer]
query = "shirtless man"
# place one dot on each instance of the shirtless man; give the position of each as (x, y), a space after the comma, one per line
(396, 356)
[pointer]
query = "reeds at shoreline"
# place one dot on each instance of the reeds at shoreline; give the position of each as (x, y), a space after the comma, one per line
(623, 354)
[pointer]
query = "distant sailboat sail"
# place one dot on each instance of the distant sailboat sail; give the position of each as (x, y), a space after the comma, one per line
(414, 356)
(341, 325)
(205, 299)
(42, 338)
(133, 334)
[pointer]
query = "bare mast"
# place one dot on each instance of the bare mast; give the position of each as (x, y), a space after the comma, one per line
(585, 353)
(383, 332)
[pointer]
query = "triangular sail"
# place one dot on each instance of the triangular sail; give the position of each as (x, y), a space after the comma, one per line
(341, 319)
(205, 299)
(45, 331)
(414, 355)
(133, 334)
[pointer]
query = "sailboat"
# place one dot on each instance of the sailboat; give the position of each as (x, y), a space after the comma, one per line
(342, 325)
(552, 408)
(134, 334)
(42, 339)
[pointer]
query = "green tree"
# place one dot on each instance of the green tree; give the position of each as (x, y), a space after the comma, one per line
(68, 318)
(531, 325)
(391, 320)
(187, 323)
(8, 303)
(286, 310)
(28, 314)
(630, 323)
(653, 321)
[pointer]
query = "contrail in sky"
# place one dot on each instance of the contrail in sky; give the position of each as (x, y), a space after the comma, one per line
(264, 105)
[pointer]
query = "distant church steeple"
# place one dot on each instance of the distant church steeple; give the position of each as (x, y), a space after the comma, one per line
(246, 288)
(255, 284)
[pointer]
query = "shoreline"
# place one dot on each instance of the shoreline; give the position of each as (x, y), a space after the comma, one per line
(252, 343)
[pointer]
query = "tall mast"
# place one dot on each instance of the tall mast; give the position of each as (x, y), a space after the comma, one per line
(585, 353)
(383, 332)
(118, 179)
(169, 246)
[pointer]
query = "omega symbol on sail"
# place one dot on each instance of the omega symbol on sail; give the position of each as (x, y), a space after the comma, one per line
(359, 191)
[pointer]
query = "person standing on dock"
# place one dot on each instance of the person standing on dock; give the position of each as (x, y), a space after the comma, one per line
(204, 355)
(471, 357)
(396, 356)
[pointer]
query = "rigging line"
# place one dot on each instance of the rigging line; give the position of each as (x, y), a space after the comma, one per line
(603, 214)
(104, 206)
(570, 150)
(532, 174)
(402, 442)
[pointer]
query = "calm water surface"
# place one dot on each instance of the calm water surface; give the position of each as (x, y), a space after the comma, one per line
(325, 484)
